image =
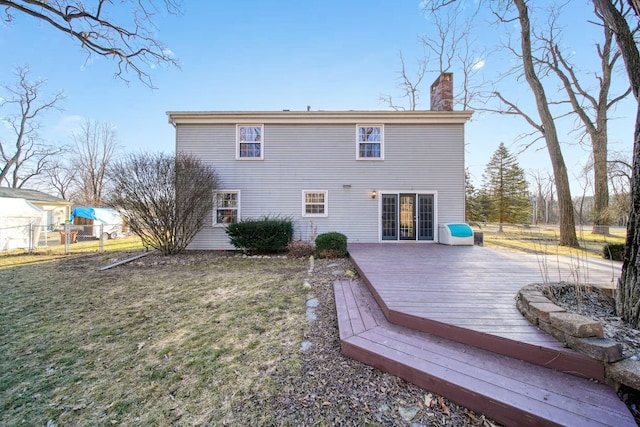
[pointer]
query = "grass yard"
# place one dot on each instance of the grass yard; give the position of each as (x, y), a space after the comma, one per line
(544, 239)
(54, 249)
(199, 339)
(163, 341)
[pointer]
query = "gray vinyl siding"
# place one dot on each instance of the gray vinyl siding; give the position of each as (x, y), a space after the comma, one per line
(301, 157)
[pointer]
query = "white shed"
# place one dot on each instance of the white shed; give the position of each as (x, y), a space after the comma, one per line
(19, 224)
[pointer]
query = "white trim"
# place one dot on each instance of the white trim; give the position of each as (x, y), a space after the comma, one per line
(326, 204)
(319, 117)
(261, 126)
(417, 193)
(358, 142)
(215, 206)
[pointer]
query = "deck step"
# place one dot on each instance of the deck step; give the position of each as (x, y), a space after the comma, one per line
(511, 391)
(469, 300)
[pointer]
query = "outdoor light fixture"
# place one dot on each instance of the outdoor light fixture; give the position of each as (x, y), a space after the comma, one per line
(374, 193)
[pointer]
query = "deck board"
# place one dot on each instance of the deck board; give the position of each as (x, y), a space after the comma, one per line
(511, 391)
(468, 294)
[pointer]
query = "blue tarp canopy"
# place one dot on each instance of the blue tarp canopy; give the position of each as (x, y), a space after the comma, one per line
(105, 215)
(460, 230)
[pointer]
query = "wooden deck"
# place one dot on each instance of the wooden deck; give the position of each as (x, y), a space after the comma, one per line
(444, 318)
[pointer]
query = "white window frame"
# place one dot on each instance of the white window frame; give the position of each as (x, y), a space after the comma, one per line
(358, 142)
(325, 204)
(261, 142)
(215, 207)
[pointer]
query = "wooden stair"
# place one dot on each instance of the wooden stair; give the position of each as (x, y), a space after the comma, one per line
(465, 294)
(509, 390)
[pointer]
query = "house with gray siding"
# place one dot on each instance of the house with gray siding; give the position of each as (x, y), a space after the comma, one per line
(375, 176)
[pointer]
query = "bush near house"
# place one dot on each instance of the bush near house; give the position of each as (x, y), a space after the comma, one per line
(261, 236)
(299, 248)
(331, 245)
(614, 251)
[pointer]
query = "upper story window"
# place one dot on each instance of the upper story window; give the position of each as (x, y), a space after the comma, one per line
(227, 207)
(250, 142)
(315, 203)
(370, 142)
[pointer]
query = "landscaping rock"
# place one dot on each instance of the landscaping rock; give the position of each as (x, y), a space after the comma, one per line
(409, 413)
(522, 306)
(349, 274)
(602, 349)
(576, 325)
(551, 330)
(311, 315)
(625, 372)
(541, 310)
(313, 303)
(306, 346)
(529, 296)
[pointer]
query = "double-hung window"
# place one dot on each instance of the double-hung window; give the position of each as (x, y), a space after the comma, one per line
(370, 142)
(315, 203)
(250, 142)
(227, 207)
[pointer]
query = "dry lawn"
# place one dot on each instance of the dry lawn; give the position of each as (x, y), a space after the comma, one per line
(178, 340)
(195, 339)
(544, 239)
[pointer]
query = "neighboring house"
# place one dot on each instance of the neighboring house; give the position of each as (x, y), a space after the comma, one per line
(55, 211)
(372, 175)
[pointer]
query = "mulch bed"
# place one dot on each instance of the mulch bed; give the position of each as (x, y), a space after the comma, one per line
(349, 393)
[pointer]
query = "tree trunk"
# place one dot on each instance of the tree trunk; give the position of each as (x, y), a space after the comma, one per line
(628, 295)
(601, 183)
(568, 235)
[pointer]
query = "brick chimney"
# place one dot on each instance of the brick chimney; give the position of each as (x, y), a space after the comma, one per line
(442, 93)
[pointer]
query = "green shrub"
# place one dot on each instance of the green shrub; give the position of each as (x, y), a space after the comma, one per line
(261, 236)
(331, 245)
(614, 251)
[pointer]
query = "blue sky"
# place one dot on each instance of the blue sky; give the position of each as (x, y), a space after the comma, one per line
(274, 55)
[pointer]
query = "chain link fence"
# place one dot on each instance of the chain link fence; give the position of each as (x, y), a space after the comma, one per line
(66, 239)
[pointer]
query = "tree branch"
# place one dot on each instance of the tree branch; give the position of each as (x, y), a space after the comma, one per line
(133, 48)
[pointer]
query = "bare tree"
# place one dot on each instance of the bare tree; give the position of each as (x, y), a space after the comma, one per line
(408, 85)
(538, 54)
(61, 177)
(447, 47)
(592, 111)
(27, 156)
(620, 170)
(130, 41)
(628, 294)
(543, 191)
(95, 148)
(546, 125)
(450, 46)
(166, 198)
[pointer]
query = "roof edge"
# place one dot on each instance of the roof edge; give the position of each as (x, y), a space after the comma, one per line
(321, 117)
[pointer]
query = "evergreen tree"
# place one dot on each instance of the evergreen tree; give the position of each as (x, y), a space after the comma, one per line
(471, 199)
(507, 188)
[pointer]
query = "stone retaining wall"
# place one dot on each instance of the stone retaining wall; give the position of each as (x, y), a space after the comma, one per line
(580, 333)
